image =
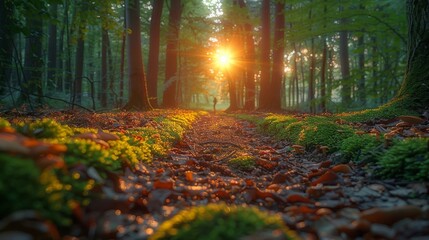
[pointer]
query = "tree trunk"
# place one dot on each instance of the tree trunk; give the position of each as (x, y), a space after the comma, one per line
(52, 51)
(264, 95)
(154, 42)
(33, 62)
(6, 40)
(278, 57)
(138, 96)
(104, 68)
(415, 87)
(311, 78)
(171, 74)
(78, 76)
(323, 77)
(249, 103)
(345, 69)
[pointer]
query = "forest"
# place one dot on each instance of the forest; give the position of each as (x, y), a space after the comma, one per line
(214, 119)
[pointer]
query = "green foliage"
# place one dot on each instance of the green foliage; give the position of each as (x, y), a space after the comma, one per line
(358, 146)
(291, 132)
(219, 221)
(386, 111)
(323, 133)
(243, 163)
(90, 153)
(407, 159)
(130, 150)
(4, 123)
(19, 186)
(44, 128)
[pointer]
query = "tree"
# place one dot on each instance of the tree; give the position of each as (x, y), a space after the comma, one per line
(154, 42)
(138, 96)
(6, 40)
(171, 56)
(278, 57)
(264, 95)
(249, 103)
(33, 62)
(415, 87)
(52, 50)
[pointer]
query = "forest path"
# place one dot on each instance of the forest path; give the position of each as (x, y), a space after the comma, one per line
(316, 198)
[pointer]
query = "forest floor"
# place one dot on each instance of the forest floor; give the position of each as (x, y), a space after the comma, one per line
(315, 197)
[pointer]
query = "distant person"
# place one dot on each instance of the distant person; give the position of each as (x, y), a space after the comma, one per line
(214, 104)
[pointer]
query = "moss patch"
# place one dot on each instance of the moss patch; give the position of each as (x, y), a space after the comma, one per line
(219, 221)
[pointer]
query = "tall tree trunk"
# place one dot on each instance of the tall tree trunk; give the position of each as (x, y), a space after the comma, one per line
(52, 50)
(154, 42)
(415, 87)
(78, 76)
(122, 65)
(323, 77)
(264, 95)
(33, 62)
(249, 103)
(6, 42)
(311, 79)
(138, 96)
(278, 56)
(104, 67)
(345, 69)
(171, 74)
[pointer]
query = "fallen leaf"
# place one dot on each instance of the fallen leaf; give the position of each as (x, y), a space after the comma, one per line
(294, 198)
(163, 185)
(390, 215)
(341, 168)
(327, 177)
(106, 136)
(411, 119)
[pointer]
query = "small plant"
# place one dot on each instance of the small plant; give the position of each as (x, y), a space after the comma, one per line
(219, 221)
(358, 146)
(407, 159)
(44, 128)
(243, 163)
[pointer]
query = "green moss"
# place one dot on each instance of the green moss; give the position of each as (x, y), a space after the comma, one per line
(44, 128)
(89, 153)
(219, 221)
(4, 123)
(358, 146)
(243, 163)
(19, 186)
(386, 111)
(407, 159)
(324, 133)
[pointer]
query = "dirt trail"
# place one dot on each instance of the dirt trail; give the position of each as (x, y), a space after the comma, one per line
(317, 198)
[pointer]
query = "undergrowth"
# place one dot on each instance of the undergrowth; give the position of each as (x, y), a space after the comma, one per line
(54, 191)
(219, 221)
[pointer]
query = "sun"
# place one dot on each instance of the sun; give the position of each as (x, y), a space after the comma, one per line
(223, 58)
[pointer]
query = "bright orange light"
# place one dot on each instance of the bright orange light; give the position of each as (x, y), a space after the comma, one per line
(223, 58)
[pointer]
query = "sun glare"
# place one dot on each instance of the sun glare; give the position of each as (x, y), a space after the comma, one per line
(223, 58)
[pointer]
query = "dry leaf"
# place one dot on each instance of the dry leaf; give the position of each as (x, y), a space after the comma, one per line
(411, 119)
(328, 177)
(390, 215)
(341, 168)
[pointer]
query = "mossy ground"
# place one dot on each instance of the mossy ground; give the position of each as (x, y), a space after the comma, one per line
(220, 221)
(25, 186)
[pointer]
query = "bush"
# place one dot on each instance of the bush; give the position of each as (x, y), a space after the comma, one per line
(407, 159)
(219, 221)
(243, 163)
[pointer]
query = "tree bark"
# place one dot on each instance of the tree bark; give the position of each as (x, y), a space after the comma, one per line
(415, 87)
(264, 95)
(249, 101)
(104, 67)
(138, 96)
(278, 57)
(52, 51)
(171, 75)
(33, 61)
(6, 40)
(345, 69)
(154, 42)
(78, 76)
